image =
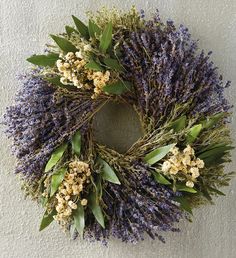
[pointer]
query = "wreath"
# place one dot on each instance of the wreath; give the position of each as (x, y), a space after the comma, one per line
(93, 191)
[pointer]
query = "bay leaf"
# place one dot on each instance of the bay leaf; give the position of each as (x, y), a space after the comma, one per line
(55, 157)
(158, 154)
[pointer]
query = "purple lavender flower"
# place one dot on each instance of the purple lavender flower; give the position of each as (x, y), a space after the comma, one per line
(142, 207)
(164, 58)
(39, 122)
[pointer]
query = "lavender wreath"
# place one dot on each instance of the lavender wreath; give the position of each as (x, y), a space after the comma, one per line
(178, 163)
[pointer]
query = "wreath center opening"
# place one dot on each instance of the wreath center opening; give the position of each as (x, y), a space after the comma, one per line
(117, 126)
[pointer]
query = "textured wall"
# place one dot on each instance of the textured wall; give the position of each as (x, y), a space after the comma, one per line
(24, 26)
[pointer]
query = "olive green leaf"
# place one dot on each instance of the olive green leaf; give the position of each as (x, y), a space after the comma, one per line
(93, 29)
(55, 157)
(113, 64)
(43, 201)
(76, 142)
(193, 133)
(47, 220)
(213, 120)
(118, 87)
(93, 204)
(81, 27)
(161, 179)
(79, 219)
(99, 187)
(179, 124)
(158, 154)
(215, 156)
(70, 30)
(94, 66)
(108, 173)
(184, 204)
(106, 38)
(64, 44)
(56, 81)
(216, 191)
(56, 180)
(44, 60)
(183, 188)
(221, 150)
(212, 146)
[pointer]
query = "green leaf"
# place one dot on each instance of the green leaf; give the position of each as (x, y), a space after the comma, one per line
(56, 180)
(64, 44)
(94, 66)
(184, 204)
(106, 38)
(213, 120)
(56, 81)
(218, 151)
(81, 27)
(206, 195)
(99, 186)
(215, 156)
(179, 124)
(93, 29)
(43, 201)
(158, 154)
(183, 188)
(212, 146)
(161, 179)
(96, 209)
(47, 220)
(44, 60)
(113, 64)
(216, 191)
(214, 160)
(70, 30)
(118, 87)
(79, 219)
(108, 173)
(55, 157)
(76, 142)
(193, 133)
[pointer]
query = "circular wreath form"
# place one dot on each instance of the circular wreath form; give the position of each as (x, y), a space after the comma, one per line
(94, 191)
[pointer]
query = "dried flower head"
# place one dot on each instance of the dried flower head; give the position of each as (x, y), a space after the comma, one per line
(71, 190)
(183, 165)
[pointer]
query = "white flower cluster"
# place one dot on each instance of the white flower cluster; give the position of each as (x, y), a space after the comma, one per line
(69, 192)
(183, 165)
(99, 81)
(73, 71)
(70, 66)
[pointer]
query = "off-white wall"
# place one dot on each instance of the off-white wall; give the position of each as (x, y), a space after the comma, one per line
(24, 26)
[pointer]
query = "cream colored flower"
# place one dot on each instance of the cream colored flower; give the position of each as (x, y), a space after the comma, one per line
(72, 205)
(87, 47)
(200, 163)
(66, 65)
(190, 184)
(166, 166)
(63, 80)
(67, 212)
(183, 165)
(73, 184)
(195, 172)
(188, 150)
(79, 55)
(174, 151)
(69, 55)
(173, 170)
(186, 160)
(84, 202)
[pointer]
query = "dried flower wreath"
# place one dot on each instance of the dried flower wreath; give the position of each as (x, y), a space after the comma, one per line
(178, 163)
